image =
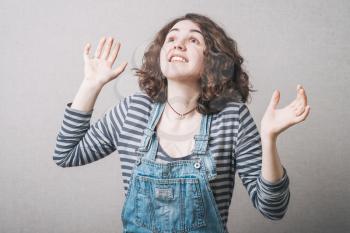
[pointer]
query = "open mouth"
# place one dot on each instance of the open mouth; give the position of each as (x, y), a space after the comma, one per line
(176, 58)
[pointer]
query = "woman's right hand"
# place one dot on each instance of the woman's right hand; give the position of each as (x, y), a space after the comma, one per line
(98, 69)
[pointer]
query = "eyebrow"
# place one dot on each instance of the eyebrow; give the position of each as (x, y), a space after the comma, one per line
(192, 30)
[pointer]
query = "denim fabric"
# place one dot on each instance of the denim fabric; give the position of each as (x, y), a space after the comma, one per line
(173, 197)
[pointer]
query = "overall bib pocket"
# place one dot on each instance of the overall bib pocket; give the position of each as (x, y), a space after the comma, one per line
(169, 205)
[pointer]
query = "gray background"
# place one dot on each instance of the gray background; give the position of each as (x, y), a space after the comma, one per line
(283, 42)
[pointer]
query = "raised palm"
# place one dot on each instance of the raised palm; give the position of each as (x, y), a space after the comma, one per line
(98, 69)
(275, 121)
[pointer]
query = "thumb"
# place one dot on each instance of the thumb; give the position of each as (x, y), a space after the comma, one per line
(86, 53)
(119, 70)
(274, 99)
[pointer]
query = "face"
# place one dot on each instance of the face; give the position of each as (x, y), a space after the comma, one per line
(181, 56)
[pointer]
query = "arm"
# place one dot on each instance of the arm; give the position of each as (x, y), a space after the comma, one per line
(79, 143)
(271, 199)
(272, 170)
(274, 122)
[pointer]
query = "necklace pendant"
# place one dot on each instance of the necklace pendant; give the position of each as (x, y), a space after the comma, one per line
(182, 116)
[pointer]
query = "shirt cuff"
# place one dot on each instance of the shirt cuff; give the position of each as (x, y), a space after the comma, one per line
(79, 112)
(275, 186)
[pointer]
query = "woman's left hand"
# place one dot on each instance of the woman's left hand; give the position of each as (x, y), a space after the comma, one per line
(275, 121)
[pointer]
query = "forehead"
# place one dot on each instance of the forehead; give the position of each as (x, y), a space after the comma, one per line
(185, 26)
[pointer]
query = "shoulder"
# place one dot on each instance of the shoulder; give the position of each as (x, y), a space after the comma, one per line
(138, 96)
(138, 101)
(231, 110)
(232, 115)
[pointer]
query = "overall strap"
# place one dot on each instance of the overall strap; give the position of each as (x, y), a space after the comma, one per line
(201, 147)
(149, 131)
(201, 139)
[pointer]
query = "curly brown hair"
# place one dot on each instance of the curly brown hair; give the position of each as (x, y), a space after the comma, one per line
(222, 80)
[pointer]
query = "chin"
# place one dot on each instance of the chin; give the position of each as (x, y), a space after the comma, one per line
(176, 76)
(177, 72)
(182, 77)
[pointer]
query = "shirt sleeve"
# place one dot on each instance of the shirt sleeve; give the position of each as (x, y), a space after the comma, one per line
(79, 143)
(270, 199)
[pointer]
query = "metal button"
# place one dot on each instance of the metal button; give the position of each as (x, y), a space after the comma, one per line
(138, 161)
(197, 165)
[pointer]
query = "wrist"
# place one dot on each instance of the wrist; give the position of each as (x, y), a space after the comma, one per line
(91, 86)
(268, 137)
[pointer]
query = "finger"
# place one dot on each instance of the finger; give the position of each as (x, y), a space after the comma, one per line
(99, 47)
(301, 95)
(299, 109)
(114, 53)
(274, 99)
(119, 69)
(86, 54)
(107, 48)
(304, 97)
(303, 116)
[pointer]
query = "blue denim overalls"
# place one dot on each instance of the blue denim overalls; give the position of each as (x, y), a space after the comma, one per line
(173, 197)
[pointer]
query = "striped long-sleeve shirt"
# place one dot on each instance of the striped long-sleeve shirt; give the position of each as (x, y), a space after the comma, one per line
(235, 145)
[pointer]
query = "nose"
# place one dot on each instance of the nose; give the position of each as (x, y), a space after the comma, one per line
(179, 45)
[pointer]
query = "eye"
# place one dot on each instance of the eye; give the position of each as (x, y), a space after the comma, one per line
(170, 39)
(194, 39)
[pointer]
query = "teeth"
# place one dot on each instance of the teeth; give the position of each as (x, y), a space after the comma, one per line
(175, 58)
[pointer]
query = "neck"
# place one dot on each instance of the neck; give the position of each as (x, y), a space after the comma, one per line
(182, 96)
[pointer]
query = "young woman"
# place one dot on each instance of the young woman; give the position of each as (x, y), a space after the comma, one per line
(183, 137)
